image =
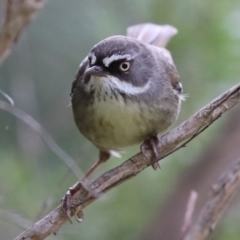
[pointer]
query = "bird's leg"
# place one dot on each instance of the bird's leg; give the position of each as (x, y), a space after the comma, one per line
(103, 157)
(152, 143)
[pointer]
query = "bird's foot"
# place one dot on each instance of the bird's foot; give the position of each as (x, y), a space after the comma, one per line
(79, 215)
(82, 184)
(151, 144)
(66, 203)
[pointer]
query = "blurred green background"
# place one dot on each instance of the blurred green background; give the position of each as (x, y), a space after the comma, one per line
(38, 76)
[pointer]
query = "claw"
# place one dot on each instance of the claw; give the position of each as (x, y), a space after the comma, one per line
(152, 143)
(79, 214)
(66, 206)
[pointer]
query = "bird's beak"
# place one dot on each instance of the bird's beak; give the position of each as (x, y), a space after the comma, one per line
(95, 71)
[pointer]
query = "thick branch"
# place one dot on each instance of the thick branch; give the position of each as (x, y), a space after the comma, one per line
(19, 13)
(169, 143)
(223, 191)
(212, 162)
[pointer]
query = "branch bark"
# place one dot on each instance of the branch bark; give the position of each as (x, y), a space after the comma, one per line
(169, 143)
(223, 191)
(222, 151)
(18, 15)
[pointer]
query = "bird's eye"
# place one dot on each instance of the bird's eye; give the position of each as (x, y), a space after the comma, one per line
(124, 66)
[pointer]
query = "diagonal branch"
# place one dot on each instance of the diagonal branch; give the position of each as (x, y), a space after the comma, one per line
(18, 15)
(130, 168)
(223, 192)
(211, 163)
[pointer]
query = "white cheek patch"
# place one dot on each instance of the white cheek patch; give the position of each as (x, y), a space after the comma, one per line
(115, 57)
(126, 87)
(93, 58)
(110, 83)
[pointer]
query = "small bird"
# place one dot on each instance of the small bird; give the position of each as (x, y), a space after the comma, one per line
(127, 90)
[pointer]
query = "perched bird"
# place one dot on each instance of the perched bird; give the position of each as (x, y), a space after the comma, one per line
(127, 90)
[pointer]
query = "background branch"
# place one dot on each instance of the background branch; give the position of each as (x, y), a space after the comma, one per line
(170, 142)
(18, 15)
(223, 191)
(191, 205)
(38, 128)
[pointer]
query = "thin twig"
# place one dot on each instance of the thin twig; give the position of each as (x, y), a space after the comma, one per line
(187, 223)
(9, 99)
(223, 191)
(38, 128)
(16, 219)
(170, 141)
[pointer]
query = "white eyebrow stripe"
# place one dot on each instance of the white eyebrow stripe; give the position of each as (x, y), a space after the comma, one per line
(93, 58)
(115, 57)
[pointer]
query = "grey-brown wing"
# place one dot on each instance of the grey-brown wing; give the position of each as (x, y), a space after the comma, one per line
(158, 35)
(175, 78)
(171, 70)
(79, 75)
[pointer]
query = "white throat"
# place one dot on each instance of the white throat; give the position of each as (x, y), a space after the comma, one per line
(111, 83)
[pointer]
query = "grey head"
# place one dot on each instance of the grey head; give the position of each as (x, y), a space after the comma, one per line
(127, 64)
(125, 58)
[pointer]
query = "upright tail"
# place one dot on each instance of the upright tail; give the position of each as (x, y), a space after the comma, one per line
(158, 35)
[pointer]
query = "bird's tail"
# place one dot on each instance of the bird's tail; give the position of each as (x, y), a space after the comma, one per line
(158, 35)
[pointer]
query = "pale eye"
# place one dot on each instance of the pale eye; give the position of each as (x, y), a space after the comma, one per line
(124, 66)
